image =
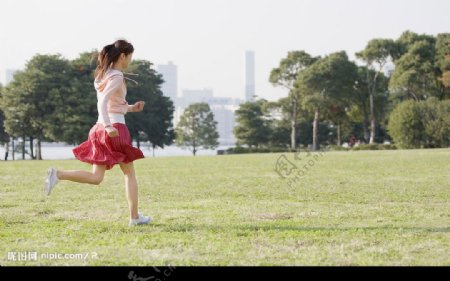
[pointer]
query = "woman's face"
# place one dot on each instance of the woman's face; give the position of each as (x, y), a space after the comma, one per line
(125, 60)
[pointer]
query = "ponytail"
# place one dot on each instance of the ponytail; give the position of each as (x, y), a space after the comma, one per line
(109, 55)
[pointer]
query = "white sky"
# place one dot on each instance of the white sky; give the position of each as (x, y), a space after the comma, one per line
(207, 38)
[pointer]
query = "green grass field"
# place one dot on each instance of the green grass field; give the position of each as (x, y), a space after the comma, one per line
(349, 208)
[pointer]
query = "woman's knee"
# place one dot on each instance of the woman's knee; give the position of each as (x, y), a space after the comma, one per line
(127, 169)
(98, 174)
(97, 179)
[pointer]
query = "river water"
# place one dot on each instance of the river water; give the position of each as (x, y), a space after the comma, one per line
(64, 151)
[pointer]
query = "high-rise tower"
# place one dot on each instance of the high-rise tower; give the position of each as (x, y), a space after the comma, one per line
(249, 75)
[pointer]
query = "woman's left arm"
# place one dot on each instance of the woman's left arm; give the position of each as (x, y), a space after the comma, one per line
(137, 107)
(131, 108)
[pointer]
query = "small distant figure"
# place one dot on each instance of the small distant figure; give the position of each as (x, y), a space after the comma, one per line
(352, 141)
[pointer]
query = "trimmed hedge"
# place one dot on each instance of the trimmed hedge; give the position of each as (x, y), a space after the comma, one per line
(375, 146)
(241, 149)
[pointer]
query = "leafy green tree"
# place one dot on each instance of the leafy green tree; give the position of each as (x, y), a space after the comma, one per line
(329, 81)
(405, 125)
(16, 112)
(359, 110)
(154, 123)
(359, 106)
(33, 102)
(80, 106)
(285, 75)
(443, 64)
(421, 124)
(415, 74)
(197, 128)
(437, 122)
(376, 55)
(406, 40)
(280, 135)
(4, 137)
(253, 128)
(337, 115)
(281, 129)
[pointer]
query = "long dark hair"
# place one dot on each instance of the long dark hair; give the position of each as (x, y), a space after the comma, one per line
(110, 54)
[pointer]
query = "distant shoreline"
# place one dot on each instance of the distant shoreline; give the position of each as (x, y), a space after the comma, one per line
(63, 151)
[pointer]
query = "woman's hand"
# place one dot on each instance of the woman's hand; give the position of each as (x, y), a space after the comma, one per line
(139, 106)
(111, 131)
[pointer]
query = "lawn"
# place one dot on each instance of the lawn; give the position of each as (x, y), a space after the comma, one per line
(347, 208)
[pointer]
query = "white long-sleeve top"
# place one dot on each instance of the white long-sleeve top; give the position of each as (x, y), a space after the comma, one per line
(111, 103)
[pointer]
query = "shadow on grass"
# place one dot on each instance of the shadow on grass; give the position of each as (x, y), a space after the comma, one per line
(102, 226)
(253, 228)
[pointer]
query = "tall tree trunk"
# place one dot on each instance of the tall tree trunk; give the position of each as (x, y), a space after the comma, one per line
(6, 150)
(13, 156)
(38, 149)
(339, 134)
(194, 150)
(372, 88)
(316, 130)
(23, 148)
(372, 120)
(31, 149)
(153, 150)
(365, 124)
(294, 125)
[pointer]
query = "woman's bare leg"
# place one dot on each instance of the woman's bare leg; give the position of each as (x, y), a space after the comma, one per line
(96, 177)
(131, 188)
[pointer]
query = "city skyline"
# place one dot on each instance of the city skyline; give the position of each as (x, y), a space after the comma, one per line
(223, 108)
(207, 39)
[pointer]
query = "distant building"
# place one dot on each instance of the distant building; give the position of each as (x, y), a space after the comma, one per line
(225, 101)
(223, 109)
(193, 96)
(170, 86)
(226, 121)
(249, 75)
(189, 97)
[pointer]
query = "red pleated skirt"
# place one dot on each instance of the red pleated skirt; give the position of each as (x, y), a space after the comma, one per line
(102, 149)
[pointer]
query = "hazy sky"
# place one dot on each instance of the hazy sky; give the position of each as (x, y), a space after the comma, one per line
(207, 39)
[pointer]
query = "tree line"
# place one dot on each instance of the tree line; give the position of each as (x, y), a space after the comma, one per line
(53, 99)
(398, 90)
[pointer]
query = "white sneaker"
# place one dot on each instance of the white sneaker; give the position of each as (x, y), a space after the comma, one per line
(140, 220)
(50, 181)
